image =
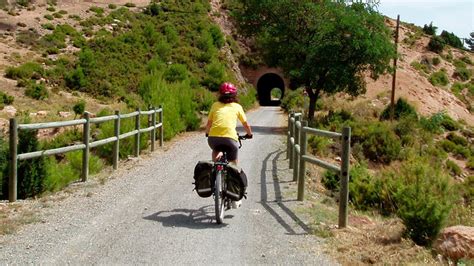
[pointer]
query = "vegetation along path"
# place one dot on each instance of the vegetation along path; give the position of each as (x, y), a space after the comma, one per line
(149, 213)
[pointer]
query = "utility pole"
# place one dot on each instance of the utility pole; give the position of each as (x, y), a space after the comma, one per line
(392, 102)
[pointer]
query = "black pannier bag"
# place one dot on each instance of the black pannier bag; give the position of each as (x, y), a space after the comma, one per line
(236, 182)
(203, 178)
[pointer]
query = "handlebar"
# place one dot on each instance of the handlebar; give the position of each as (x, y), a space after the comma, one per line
(246, 136)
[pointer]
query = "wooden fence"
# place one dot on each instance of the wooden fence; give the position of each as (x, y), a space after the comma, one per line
(86, 145)
(298, 131)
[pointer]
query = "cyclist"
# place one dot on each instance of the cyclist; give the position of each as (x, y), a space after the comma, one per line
(222, 122)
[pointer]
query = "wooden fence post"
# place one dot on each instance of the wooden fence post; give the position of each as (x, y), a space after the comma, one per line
(116, 151)
(162, 126)
(295, 153)
(137, 136)
(302, 170)
(13, 177)
(85, 152)
(153, 131)
(344, 196)
(292, 130)
(288, 136)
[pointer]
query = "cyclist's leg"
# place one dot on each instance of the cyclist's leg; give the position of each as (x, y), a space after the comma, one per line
(216, 155)
(232, 151)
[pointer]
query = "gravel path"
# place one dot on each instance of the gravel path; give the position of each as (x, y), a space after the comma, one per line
(149, 214)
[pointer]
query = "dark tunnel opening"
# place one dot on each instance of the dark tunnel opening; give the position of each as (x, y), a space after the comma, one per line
(271, 89)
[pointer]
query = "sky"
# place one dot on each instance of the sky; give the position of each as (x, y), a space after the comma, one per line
(456, 16)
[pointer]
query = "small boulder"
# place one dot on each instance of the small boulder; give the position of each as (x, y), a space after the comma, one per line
(10, 111)
(456, 242)
(64, 114)
(42, 113)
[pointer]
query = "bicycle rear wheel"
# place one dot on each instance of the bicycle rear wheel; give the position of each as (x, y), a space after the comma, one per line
(218, 198)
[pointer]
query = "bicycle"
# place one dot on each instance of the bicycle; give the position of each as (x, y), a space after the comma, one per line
(221, 201)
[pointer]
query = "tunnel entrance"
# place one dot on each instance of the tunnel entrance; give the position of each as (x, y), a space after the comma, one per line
(270, 89)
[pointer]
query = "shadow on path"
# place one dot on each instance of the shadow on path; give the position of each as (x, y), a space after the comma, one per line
(270, 205)
(202, 218)
(266, 130)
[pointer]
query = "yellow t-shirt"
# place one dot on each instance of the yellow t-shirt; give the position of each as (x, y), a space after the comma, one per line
(224, 119)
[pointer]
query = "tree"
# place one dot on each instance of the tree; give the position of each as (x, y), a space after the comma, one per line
(451, 39)
(324, 46)
(470, 41)
(430, 29)
(79, 108)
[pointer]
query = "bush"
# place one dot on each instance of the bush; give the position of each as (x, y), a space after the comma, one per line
(463, 74)
(176, 72)
(430, 29)
(130, 5)
(458, 140)
(453, 168)
(48, 26)
(79, 108)
(31, 172)
(470, 163)
(6, 99)
(436, 44)
(364, 189)
(97, 10)
(48, 17)
(319, 145)
(3, 168)
(436, 61)
(215, 76)
(379, 142)
(28, 70)
(37, 91)
(293, 100)
(402, 109)
(439, 78)
(451, 39)
(112, 6)
(423, 196)
(51, 9)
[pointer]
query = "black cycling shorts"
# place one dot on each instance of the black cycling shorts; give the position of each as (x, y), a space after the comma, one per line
(228, 145)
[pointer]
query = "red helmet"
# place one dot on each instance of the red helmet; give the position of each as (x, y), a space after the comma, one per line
(227, 88)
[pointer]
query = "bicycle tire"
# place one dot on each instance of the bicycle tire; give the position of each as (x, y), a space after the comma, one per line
(218, 198)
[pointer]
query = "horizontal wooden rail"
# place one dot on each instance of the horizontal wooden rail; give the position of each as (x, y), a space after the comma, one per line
(296, 153)
(51, 124)
(86, 145)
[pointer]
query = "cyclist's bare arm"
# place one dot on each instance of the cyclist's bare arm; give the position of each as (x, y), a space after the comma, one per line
(247, 128)
(208, 126)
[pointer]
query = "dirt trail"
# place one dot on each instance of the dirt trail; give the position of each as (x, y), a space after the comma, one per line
(150, 215)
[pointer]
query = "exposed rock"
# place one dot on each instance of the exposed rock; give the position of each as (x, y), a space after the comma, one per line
(42, 113)
(10, 110)
(4, 124)
(64, 114)
(456, 242)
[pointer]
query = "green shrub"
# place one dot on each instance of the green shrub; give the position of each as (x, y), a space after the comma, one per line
(62, 12)
(48, 17)
(29, 70)
(319, 145)
(451, 39)
(204, 98)
(420, 67)
(453, 168)
(57, 15)
(436, 61)
(51, 9)
(458, 140)
(463, 74)
(364, 189)
(379, 143)
(31, 172)
(331, 180)
(430, 29)
(79, 108)
(334, 120)
(439, 78)
(459, 150)
(423, 196)
(470, 163)
(247, 99)
(293, 100)
(76, 79)
(217, 36)
(48, 26)
(215, 76)
(436, 44)
(112, 6)
(6, 99)
(3, 168)
(97, 10)
(130, 5)
(176, 72)
(402, 109)
(466, 60)
(66, 138)
(37, 91)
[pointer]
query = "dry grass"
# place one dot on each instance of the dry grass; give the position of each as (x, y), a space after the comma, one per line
(13, 216)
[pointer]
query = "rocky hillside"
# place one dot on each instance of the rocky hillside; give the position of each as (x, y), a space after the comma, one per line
(416, 65)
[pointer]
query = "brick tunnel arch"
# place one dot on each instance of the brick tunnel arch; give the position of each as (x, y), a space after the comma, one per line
(265, 84)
